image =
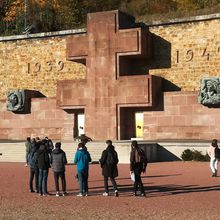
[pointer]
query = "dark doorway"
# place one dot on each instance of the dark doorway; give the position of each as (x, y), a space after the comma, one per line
(130, 122)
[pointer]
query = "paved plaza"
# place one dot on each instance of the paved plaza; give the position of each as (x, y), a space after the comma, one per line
(175, 190)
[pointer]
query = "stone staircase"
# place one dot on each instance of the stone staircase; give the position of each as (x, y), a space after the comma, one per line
(15, 152)
(12, 152)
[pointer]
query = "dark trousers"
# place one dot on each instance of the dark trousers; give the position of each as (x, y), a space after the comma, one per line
(83, 181)
(138, 182)
(33, 173)
(63, 180)
(114, 184)
(43, 174)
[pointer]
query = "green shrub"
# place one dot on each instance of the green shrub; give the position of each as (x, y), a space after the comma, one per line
(187, 155)
(198, 156)
(195, 155)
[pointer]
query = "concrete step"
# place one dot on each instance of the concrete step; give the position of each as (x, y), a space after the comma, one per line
(15, 152)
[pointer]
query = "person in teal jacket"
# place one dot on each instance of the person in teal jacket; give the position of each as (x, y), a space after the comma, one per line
(82, 159)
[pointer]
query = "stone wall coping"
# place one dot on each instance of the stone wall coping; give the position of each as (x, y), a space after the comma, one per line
(84, 30)
(185, 20)
(42, 35)
(171, 93)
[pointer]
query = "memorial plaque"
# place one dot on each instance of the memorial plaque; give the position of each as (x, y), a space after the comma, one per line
(210, 91)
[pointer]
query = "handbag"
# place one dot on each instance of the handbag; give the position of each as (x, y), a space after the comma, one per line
(132, 176)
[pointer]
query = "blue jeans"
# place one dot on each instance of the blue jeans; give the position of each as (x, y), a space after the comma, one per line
(43, 174)
(83, 181)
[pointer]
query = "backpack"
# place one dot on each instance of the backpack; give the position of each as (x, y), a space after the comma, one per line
(111, 158)
(217, 153)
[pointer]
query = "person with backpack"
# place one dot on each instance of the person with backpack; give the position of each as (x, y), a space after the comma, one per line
(58, 162)
(138, 164)
(214, 154)
(34, 170)
(108, 162)
(82, 159)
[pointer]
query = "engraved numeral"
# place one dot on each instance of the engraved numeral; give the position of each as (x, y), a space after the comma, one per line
(49, 66)
(37, 67)
(177, 56)
(189, 55)
(29, 68)
(205, 53)
(61, 65)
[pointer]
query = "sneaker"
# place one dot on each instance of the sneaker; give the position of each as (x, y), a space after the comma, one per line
(105, 194)
(80, 195)
(64, 194)
(31, 190)
(45, 194)
(57, 194)
(116, 193)
(143, 195)
(86, 194)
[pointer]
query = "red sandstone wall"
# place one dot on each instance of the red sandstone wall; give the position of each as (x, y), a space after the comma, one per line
(182, 118)
(45, 120)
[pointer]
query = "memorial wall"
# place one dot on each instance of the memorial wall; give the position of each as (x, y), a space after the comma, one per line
(182, 53)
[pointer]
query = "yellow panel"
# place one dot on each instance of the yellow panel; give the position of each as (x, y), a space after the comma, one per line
(139, 124)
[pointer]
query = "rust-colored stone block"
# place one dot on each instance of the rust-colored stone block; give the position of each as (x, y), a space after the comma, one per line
(165, 120)
(105, 88)
(179, 100)
(186, 109)
(179, 120)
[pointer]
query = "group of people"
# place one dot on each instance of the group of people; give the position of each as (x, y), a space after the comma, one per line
(41, 155)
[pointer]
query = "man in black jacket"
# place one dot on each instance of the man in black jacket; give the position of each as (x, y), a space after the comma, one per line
(138, 164)
(58, 162)
(108, 162)
(44, 165)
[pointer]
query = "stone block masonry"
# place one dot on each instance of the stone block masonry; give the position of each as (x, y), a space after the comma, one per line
(182, 118)
(45, 120)
(36, 63)
(193, 49)
(183, 53)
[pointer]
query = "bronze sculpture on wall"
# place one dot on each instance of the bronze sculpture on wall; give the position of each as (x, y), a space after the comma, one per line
(210, 91)
(16, 100)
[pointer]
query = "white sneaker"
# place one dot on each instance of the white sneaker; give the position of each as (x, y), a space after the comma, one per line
(105, 194)
(57, 194)
(64, 194)
(80, 195)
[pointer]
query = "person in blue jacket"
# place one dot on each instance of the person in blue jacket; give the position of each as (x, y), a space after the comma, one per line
(82, 159)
